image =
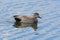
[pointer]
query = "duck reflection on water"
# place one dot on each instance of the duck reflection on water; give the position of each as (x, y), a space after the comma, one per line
(18, 24)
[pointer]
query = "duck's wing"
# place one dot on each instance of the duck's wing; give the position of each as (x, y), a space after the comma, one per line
(27, 19)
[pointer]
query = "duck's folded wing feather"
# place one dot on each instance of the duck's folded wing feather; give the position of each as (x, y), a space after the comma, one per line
(27, 19)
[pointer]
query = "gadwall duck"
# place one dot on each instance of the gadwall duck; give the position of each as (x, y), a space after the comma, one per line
(27, 19)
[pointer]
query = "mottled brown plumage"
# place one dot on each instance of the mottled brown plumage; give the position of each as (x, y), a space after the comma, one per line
(27, 19)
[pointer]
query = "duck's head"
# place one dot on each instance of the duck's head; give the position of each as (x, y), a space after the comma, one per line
(36, 15)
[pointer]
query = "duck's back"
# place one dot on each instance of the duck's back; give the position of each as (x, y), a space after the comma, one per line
(27, 19)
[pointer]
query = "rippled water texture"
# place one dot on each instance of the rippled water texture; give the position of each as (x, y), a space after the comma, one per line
(48, 26)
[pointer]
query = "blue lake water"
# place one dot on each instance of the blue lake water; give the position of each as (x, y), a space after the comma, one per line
(48, 26)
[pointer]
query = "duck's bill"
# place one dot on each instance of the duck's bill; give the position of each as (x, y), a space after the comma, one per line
(39, 17)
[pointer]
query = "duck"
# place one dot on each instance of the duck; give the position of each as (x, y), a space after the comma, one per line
(27, 19)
